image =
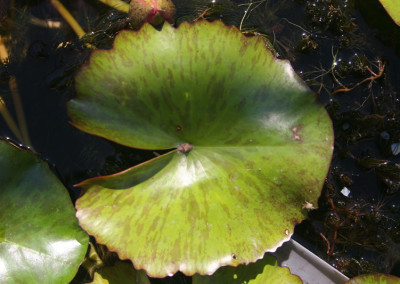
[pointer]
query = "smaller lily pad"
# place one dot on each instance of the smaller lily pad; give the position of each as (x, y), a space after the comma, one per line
(373, 278)
(393, 9)
(265, 270)
(40, 239)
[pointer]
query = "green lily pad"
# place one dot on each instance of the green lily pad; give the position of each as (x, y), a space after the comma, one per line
(262, 145)
(40, 239)
(263, 271)
(392, 7)
(373, 278)
(120, 273)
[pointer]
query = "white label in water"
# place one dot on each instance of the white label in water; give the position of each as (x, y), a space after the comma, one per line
(345, 191)
(395, 148)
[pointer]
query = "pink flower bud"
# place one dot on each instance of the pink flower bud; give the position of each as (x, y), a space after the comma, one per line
(151, 11)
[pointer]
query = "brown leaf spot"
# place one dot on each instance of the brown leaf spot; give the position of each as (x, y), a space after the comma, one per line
(296, 136)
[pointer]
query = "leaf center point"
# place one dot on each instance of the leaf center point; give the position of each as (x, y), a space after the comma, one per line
(184, 148)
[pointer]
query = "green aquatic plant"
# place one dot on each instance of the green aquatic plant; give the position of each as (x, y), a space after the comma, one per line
(40, 239)
(250, 145)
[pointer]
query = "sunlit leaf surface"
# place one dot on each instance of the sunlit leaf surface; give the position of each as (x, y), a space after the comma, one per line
(373, 278)
(263, 271)
(262, 145)
(40, 239)
(393, 9)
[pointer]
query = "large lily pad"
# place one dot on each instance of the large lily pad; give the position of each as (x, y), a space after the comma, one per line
(40, 239)
(393, 9)
(262, 146)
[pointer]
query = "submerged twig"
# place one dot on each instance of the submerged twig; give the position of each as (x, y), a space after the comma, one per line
(9, 120)
(20, 131)
(45, 23)
(20, 111)
(3, 108)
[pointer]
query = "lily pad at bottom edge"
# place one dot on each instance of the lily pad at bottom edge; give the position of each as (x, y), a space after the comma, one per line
(263, 271)
(373, 278)
(40, 239)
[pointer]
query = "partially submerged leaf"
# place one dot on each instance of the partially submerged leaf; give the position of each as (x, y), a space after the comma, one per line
(262, 145)
(393, 9)
(263, 271)
(40, 239)
(120, 273)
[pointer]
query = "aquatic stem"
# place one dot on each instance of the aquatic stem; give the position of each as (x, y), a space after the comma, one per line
(9, 120)
(116, 4)
(3, 51)
(68, 18)
(202, 15)
(328, 246)
(20, 132)
(297, 26)
(20, 111)
(248, 11)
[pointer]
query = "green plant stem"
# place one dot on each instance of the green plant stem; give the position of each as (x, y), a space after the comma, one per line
(20, 111)
(68, 18)
(117, 4)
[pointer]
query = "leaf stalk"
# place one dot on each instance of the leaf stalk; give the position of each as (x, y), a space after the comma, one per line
(117, 4)
(68, 18)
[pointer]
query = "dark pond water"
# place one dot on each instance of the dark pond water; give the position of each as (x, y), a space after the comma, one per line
(331, 45)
